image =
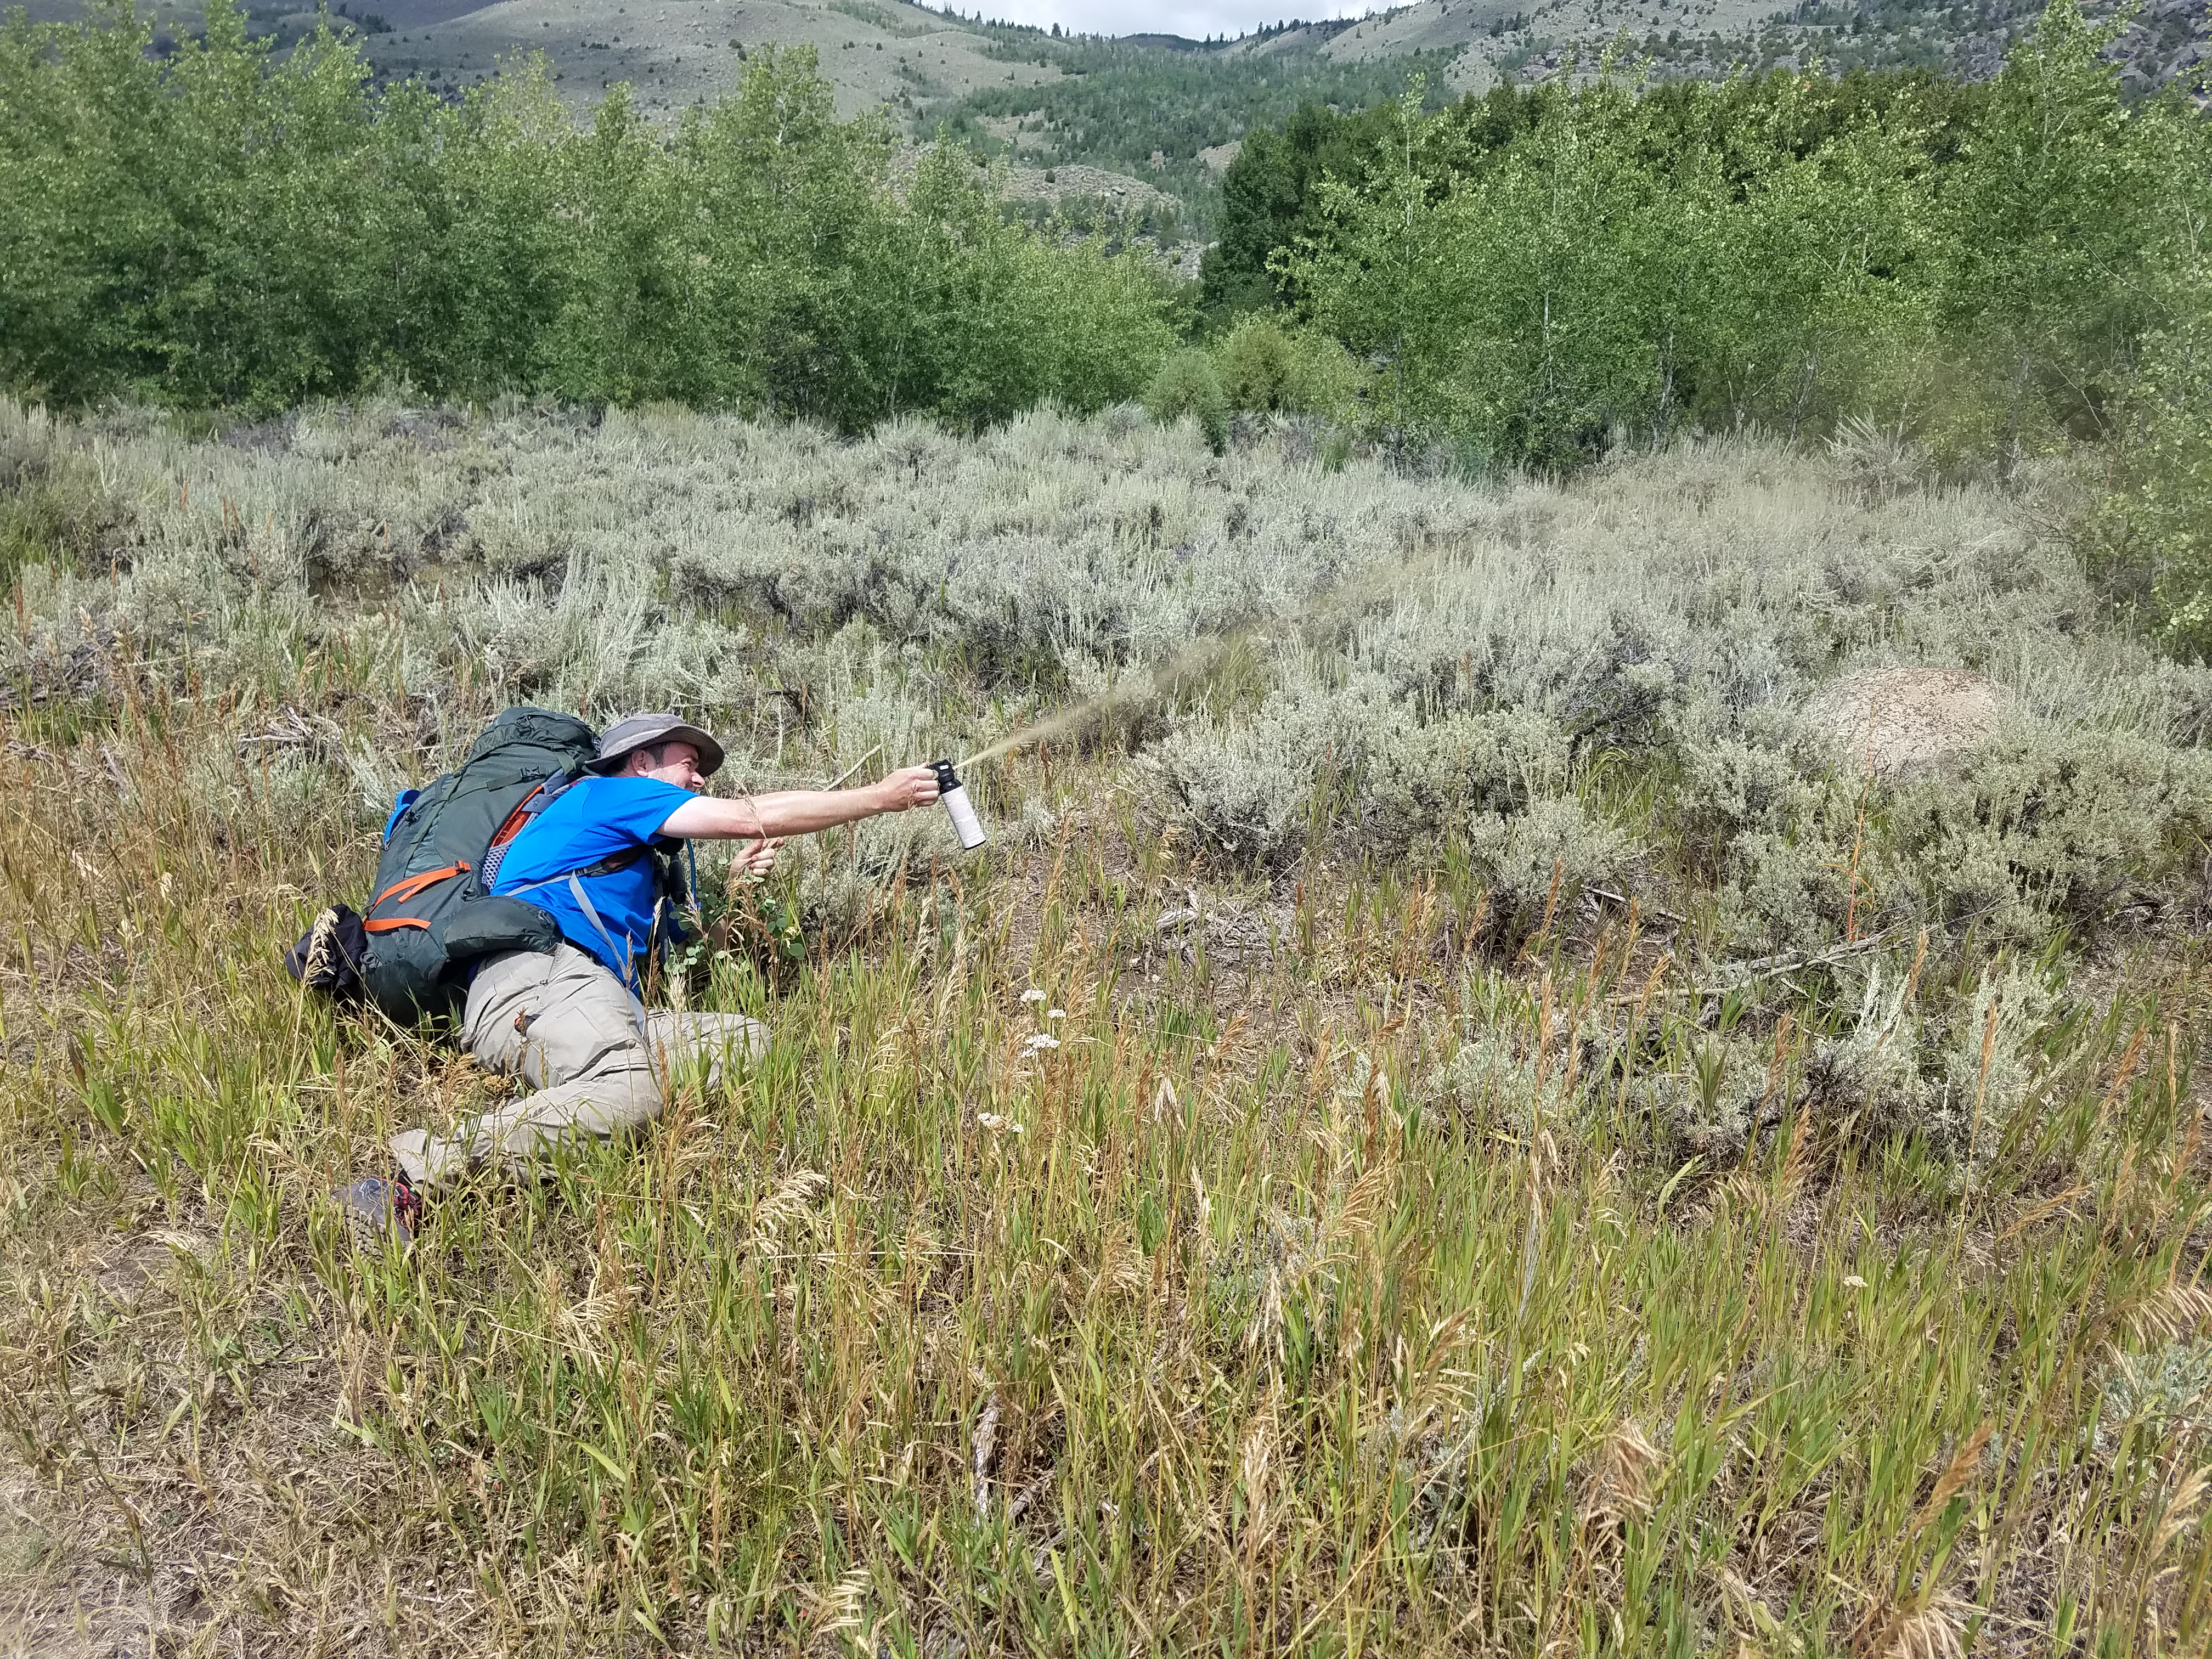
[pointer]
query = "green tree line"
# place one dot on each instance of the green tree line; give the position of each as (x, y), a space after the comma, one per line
(226, 226)
(1272, 199)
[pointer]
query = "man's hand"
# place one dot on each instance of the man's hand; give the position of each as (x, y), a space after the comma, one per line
(751, 864)
(909, 787)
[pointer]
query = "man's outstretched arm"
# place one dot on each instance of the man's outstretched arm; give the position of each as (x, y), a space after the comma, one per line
(799, 811)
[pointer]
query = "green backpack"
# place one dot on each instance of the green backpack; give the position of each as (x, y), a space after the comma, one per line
(433, 916)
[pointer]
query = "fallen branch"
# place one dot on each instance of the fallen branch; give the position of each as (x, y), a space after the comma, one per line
(1789, 961)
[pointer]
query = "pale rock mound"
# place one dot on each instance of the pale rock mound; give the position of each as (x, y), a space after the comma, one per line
(1895, 722)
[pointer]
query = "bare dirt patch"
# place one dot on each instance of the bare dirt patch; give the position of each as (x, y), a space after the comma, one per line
(1897, 721)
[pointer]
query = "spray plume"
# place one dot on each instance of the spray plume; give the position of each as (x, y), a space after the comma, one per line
(1161, 676)
(1202, 653)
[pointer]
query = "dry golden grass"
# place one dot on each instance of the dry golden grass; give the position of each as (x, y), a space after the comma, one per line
(1198, 1328)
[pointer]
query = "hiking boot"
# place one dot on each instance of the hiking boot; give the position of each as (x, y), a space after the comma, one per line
(376, 1207)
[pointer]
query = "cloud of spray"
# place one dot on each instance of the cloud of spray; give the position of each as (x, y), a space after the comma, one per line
(1195, 657)
(1203, 653)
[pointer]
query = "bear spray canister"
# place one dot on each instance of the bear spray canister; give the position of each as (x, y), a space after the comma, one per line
(954, 795)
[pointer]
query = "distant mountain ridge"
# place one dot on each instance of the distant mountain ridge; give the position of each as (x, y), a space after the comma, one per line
(1163, 112)
(1529, 41)
(917, 60)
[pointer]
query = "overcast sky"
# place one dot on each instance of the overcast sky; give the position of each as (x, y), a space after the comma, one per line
(1196, 19)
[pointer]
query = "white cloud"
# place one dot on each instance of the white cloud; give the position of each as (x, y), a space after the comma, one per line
(1195, 20)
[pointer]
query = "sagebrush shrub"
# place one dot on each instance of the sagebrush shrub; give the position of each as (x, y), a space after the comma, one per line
(1496, 1085)
(2165, 1394)
(1989, 1059)
(1942, 1067)
(2046, 824)
(1714, 1092)
(1877, 458)
(1424, 779)
(1870, 1073)
(1256, 790)
(1766, 828)
(1539, 862)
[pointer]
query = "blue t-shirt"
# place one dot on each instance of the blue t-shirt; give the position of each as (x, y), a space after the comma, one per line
(591, 819)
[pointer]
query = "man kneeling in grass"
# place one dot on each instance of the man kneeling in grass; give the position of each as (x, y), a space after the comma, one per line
(572, 1024)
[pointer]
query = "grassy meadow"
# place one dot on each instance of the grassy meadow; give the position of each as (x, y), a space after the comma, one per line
(1448, 1117)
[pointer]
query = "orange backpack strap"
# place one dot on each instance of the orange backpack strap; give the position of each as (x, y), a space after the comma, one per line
(414, 884)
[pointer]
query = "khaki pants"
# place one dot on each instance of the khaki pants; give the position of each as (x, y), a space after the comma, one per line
(566, 1027)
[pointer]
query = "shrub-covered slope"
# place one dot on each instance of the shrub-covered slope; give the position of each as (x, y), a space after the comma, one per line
(1312, 658)
(1443, 1114)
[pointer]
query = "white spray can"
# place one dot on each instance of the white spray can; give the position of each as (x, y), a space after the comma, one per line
(954, 795)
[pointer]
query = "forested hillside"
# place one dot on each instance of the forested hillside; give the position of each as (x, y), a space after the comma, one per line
(1521, 41)
(1987, 272)
(1529, 279)
(673, 54)
(1155, 110)
(680, 54)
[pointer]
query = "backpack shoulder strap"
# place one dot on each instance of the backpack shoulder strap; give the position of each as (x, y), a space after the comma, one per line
(591, 914)
(526, 811)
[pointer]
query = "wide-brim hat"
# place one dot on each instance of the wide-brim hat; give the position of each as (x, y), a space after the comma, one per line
(635, 731)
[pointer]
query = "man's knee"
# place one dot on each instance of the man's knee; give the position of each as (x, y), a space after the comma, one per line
(495, 1022)
(572, 1020)
(620, 1097)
